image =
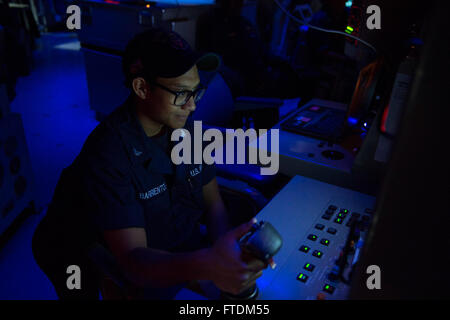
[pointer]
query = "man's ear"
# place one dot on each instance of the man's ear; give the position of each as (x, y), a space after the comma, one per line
(140, 87)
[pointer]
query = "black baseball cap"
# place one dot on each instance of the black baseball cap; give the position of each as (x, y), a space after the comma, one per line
(160, 53)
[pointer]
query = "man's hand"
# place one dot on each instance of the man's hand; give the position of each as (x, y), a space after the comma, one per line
(230, 269)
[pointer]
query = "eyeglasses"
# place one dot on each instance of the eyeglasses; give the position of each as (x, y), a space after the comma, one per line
(182, 97)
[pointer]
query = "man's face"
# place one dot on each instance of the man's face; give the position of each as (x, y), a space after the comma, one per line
(160, 103)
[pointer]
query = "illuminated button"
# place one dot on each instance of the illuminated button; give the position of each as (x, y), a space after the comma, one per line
(319, 226)
(344, 211)
(326, 216)
(339, 220)
(325, 242)
(331, 230)
(328, 288)
(302, 277)
(312, 237)
(317, 253)
(309, 266)
(304, 249)
(341, 215)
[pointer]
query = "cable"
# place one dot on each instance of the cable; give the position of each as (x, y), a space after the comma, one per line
(322, 29)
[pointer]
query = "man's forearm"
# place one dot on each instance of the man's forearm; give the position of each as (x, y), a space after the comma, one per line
(150, 267)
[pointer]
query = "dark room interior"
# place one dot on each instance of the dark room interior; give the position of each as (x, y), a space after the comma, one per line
(339, 120)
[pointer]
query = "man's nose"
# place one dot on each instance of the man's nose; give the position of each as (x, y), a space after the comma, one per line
(190, 105)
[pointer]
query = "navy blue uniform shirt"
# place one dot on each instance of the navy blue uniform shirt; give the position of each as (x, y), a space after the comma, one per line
(124, 179)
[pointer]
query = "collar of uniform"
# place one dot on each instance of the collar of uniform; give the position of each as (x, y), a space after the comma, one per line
(141, 149)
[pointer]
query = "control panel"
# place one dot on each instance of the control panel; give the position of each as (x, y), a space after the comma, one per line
(323, 228)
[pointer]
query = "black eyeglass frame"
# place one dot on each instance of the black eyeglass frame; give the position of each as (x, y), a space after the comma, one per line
(190, 93)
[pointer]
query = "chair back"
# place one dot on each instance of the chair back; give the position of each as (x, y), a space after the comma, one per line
(216, 106)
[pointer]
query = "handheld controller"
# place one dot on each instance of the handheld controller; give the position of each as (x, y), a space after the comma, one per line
(262, 241)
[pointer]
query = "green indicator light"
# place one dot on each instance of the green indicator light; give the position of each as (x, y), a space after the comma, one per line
(338, 219)
(348, 31)
(307, 265)
(300, 276)
(327, 287)
(319, 253)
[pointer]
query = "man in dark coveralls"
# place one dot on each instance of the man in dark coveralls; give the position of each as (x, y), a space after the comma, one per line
(124, 192)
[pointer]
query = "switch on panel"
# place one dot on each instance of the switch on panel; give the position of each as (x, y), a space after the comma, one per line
(312, 237)
(339, 220)
(317, 253)
(309, 266)
(328, 288)
(332, 230)
(319, 226)
(304, 249)
(302, 277)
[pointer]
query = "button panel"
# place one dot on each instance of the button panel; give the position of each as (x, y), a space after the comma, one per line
(326, 236)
